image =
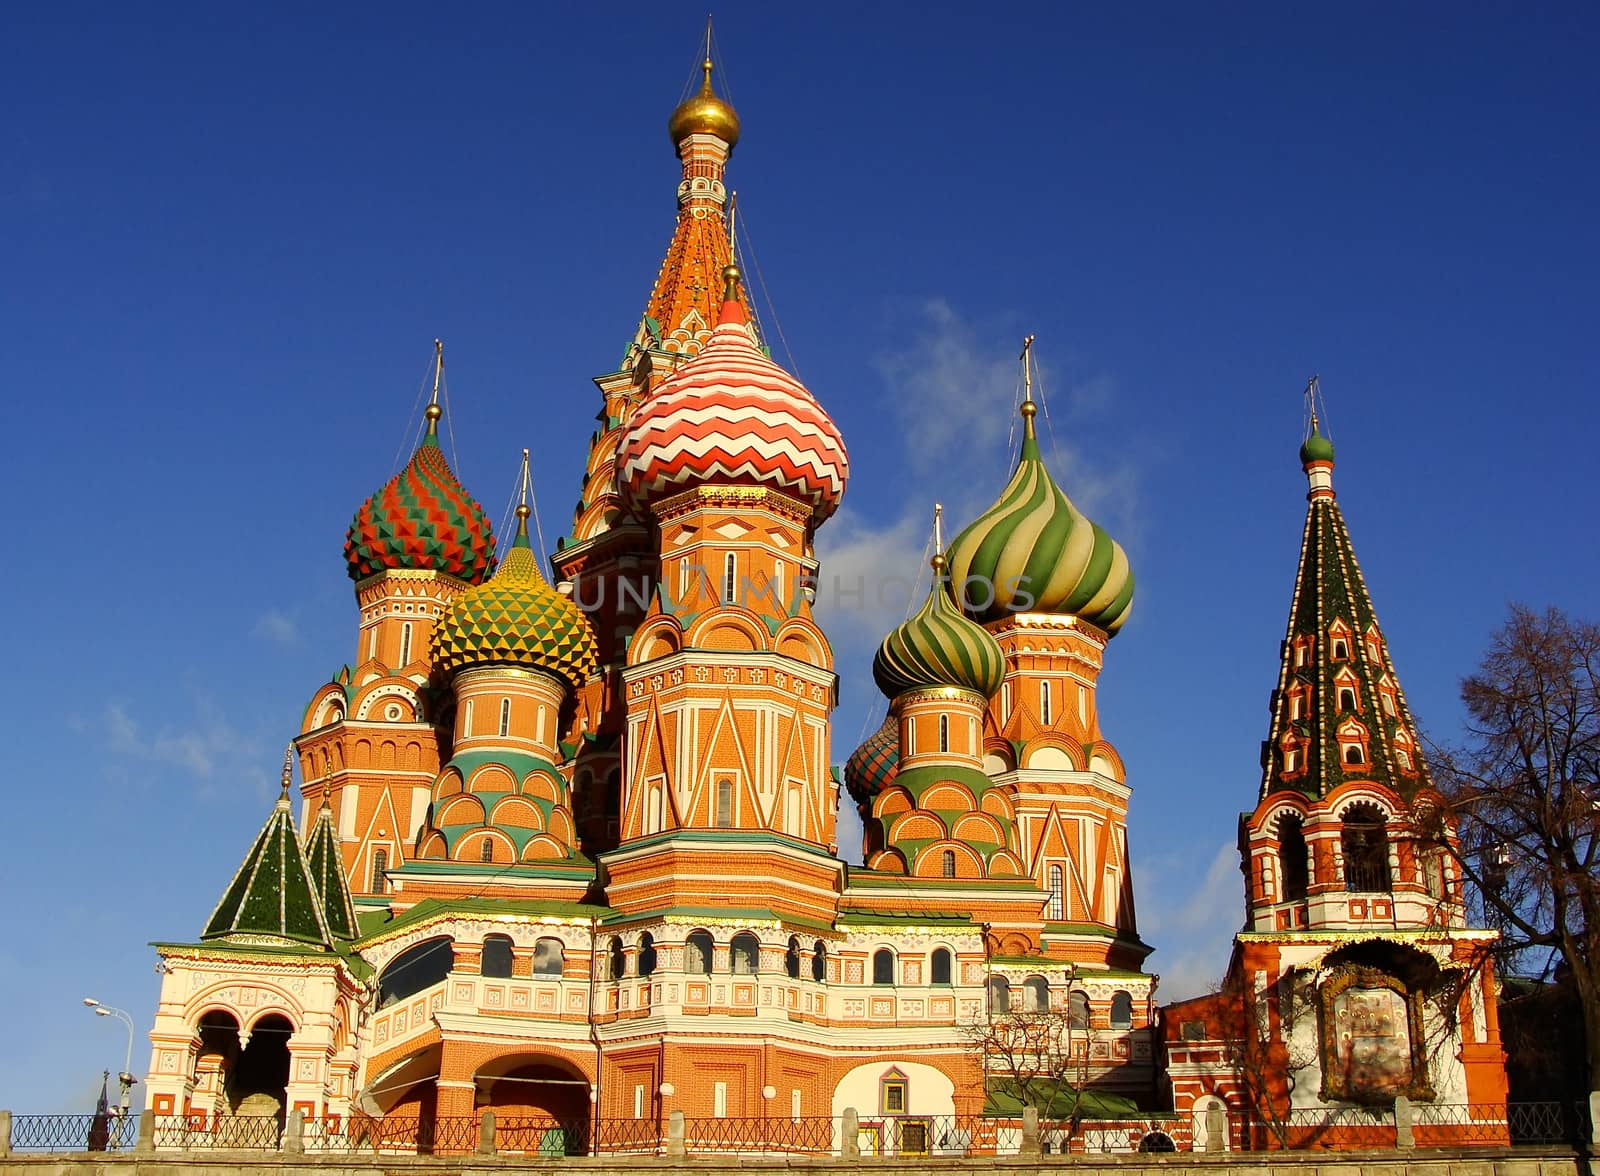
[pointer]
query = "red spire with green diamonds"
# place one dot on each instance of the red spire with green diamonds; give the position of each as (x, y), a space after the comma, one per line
(422, 518)
(1338, 713)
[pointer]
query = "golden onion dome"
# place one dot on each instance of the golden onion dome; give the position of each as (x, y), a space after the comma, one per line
(704, 114)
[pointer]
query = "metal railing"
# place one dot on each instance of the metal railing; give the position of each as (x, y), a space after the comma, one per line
(74, 1133)
(749, 1135)
(1448, 1124)
(237, 1132)
(1338, 1127)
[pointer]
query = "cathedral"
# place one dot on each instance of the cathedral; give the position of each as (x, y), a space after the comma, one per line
(565, 841)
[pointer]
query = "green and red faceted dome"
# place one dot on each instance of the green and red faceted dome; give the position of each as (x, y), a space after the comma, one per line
(730, 416)
(873, 766)
(422, 520)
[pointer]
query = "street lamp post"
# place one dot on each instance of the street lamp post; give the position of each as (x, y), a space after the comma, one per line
(126, 1078)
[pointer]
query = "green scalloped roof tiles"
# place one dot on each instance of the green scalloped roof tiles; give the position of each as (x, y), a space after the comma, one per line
(938, 646)
(272, 894)
(1034, 551)
(421, 519)
(516, 618)
(327, 875)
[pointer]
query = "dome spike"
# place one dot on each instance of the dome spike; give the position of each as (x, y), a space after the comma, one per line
(288, 775)
(434, 411)
(1029, 408)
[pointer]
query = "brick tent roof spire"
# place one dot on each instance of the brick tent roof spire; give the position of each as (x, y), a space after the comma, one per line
(272, 896)
(1338, 713)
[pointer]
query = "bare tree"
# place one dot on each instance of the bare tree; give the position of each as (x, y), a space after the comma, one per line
(1038, 1058)
(1523, 789)
(1263, 1052)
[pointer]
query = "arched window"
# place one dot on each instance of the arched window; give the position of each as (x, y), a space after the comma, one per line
(380, 867)
(1035, 995)
(1353, 754)
(947, 863)
(647, 954)
(414, 969)
(1365, 843)
(724, 814)
(697, 953)
(505, 716)
(1078, 1010)
(1341, 649)
(944, 732)
(466, 723)
(619, 959)
(999, 994)
(939, 966)
(1058, 893)
(496, 960)
(791, 959)
(819, 960)
(405, 644)
(1347, 698)
(486, 849)
(744, 954)
(1121, 1010)
(1294, 869)
(1044, 703)
(883, 966)
(549, 957)
(730, 579)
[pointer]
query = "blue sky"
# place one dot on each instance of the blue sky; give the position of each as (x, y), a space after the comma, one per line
(232, 233)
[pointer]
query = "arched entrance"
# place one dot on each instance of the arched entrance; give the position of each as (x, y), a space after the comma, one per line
(258, 1082)
(541, 1104)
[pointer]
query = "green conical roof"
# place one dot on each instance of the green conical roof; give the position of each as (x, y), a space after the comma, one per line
(517, 619)
(938, 647)
(272, 896)
(1337, 675)
(327, 875)
(1033, 551)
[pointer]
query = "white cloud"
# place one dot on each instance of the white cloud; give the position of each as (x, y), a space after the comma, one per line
(1194, 922)
(208, 747)
(277, 627)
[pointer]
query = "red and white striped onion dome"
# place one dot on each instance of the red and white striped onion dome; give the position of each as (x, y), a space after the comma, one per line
(730, 416)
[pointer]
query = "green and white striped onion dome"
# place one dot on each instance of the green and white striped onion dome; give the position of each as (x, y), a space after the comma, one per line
(1033, 551)
(938, 647)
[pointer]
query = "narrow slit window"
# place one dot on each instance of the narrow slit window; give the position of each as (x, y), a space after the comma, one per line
(947, 863)
(724, 816)
(486, 850)
(405, 644)
(1044, 703)
(944, 732)
(730, 578)
(1058, 896)
(380, 867)
(505, 716)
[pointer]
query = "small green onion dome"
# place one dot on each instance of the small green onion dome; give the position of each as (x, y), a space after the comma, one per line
(1034, 551)
(872, 767)
(421, 519)
(938, 647)
(1316, 448)
(516, 619)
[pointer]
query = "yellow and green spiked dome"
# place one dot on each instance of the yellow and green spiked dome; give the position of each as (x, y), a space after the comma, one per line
(938, 647)
(421, 519)
(1033, 551)
(516, 619)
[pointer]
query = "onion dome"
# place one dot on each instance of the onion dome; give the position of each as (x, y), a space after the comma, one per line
(938, 647)
(730, 416)
(1316, 448)
(516, 619)
(421, 519)
(872, 767)
(1033, 551)
(704, 114)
